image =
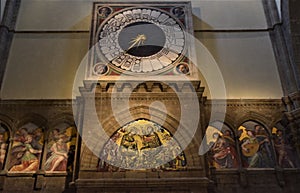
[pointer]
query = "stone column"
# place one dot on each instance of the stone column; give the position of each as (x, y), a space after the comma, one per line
(7, 29)
(285, 36)
(291, 29)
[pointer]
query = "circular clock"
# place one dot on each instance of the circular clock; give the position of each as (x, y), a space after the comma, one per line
(139, 40)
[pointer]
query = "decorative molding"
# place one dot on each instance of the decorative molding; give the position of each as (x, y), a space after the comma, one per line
(141, 86)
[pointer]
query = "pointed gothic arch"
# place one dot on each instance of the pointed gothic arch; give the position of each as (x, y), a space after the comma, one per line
(89, 160)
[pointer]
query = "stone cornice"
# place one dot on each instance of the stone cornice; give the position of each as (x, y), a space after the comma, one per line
(245, 102)
(37, 102)
(208, 102)
(141, 86)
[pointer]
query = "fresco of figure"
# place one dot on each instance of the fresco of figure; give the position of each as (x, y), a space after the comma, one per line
(3, 146)
(143, 145)
(30, 157)
(38, 139)
(256, 148)
(223, 152)
(26, 151)
(284, 150)
(59, 155)
(20, 135)
(60, 150)
(103, 12)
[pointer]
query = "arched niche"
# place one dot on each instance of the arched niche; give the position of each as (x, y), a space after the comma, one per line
(4, 143)
(221, 140)
(60, 148)
(60, 119)
(89, 156)
(32, 118)
(142, 145)
(284, 145)
(26, 149)
(255, 145)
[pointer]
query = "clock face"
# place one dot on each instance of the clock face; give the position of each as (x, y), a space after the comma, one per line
(139, 40)
(146, 39)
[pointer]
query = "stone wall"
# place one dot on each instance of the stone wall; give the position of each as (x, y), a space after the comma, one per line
(198, 174)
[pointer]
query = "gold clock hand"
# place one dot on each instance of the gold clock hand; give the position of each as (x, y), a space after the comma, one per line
(138, 40)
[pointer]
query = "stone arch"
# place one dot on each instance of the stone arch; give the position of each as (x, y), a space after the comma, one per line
(63, 118)
(29, 133)
(284, 146)
(223, 148)
(34, 118)
(5, 132)
(62, 126)
(110, 125)
(259, 122)
(8, 122)
(250, 137)
(256, 117)
(151, 143)
(228, 120)
(225, 124)
(137, 112)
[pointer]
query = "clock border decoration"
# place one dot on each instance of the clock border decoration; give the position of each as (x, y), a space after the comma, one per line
(180, 12)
